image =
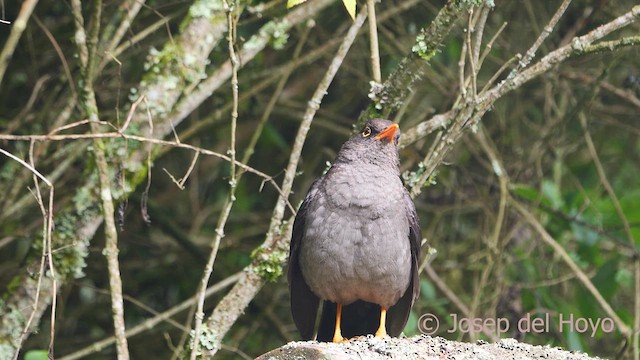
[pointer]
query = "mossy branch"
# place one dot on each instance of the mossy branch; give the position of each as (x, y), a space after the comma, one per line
(392, 94)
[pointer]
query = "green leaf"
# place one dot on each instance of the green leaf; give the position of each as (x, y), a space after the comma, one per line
(36, 355)
(525, 191)
(552, 193)
(292, 3)
(350, 5)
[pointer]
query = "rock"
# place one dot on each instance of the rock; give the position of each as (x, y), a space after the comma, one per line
(419, 347)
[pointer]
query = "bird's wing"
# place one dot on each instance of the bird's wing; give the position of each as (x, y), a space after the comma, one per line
(304, 303)
(399, 313)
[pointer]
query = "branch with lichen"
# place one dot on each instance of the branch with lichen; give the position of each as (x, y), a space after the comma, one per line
(467, 115)
(393, 92)
(88, 59)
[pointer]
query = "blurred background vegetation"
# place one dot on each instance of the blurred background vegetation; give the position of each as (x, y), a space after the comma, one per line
(540, 133)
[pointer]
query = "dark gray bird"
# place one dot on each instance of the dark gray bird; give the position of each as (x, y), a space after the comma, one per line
(356, 243)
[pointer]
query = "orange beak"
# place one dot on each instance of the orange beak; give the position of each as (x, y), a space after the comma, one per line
(388, 133)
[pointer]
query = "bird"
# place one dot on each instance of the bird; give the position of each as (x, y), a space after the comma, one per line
(355, 243)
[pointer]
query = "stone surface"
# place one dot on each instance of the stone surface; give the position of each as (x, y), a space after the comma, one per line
(419, 347)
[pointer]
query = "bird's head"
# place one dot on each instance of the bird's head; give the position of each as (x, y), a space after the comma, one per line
(376, 143)
(382, 131)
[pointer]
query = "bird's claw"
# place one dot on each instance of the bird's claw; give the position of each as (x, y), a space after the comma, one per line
(338, 339)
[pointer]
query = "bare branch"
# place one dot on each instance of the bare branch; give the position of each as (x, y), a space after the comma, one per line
(373, 41)
(19, 24)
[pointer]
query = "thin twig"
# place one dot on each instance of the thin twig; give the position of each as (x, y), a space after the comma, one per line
(531, 53)
(138, 37)
(183, 180)
(129, 10)
(60, 53)
(112, 135)
(578, 45)
(28, 107)
(46, 249)
(626, 94)
(373, 41)
(627, 228)
(479, 31)
(472, 59)
(604, 180)
(132, 111)
(224, 215)
(47, 216)
(489, 46)
(461, 72)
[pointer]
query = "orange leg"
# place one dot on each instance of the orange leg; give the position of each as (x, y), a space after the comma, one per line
(337, 334)
(382, 330)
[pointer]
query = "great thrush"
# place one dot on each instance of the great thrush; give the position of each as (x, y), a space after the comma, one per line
(356, 243)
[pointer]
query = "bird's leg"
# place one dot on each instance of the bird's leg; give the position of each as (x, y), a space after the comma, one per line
(337, 334)
(382, 329)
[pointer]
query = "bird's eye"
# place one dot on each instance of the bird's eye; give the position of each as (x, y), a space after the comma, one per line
(366, 132)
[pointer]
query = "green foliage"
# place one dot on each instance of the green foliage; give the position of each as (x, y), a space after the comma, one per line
(36, 355)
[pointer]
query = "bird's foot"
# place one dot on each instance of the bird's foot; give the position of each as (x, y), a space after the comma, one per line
(337, 338)
(381, 333)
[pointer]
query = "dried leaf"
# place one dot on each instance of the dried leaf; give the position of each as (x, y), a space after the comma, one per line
(350, 5)
(292, 3)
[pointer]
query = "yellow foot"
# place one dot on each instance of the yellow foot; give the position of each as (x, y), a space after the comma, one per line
(382, 329)
(337, 338)
(382, 332)
(337, 335)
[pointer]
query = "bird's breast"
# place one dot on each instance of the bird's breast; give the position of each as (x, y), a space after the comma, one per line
(356, 240)
(363, 189)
